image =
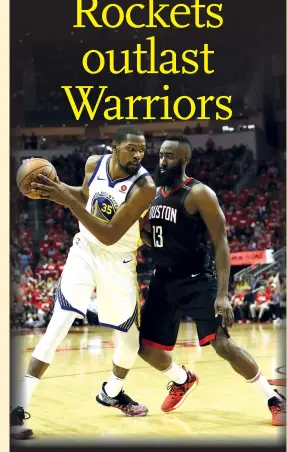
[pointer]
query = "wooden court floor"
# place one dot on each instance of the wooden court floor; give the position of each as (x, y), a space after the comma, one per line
(223, 407)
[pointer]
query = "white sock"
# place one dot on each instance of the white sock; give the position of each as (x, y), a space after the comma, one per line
(264, 387)
(175, 373)
(114, 385)
(28, 386)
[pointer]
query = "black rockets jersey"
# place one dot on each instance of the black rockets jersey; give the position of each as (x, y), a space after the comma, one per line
(179, 240)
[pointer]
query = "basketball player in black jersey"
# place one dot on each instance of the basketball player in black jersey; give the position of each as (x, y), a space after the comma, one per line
(188, 282)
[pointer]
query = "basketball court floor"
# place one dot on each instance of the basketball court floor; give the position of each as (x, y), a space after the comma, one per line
(222, 408)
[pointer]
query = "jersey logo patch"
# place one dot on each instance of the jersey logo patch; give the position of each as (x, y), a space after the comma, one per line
(103, 207)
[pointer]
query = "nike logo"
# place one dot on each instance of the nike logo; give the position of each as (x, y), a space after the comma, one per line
(101, 178)
(193, 276)
(125, 262)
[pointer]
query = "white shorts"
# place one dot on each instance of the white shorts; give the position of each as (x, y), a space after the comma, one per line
(114, 275)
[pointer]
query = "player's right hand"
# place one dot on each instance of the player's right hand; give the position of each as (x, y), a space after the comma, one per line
(53, 190)
(223, 306)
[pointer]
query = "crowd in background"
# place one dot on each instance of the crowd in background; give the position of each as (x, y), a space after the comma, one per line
(264, 302)
(254, 216)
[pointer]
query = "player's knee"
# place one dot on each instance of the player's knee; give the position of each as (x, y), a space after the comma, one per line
(54, 335)
(127, 348)
(46, 348)
(125, 355)
(157, 358)
(145, 352)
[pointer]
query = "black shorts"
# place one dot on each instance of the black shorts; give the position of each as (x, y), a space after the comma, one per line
(172, 298)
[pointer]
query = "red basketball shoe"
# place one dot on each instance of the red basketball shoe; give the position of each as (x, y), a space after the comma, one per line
(178, 393)
(278, 409)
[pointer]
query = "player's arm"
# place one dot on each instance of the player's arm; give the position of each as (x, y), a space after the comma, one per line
(146, 238)
(145, 227)
(146, 235)
(206, 203)
(108, 233)
(81, 194)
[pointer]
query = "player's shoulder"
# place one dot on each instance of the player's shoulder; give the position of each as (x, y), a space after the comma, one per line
(200, 190)
(144, 186)
(201, 196)
(92, 162)
(145, 180)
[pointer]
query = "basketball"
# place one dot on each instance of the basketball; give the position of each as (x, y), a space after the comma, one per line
(29, 171)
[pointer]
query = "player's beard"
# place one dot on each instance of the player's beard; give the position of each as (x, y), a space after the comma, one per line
(129, 170)
(170, 177)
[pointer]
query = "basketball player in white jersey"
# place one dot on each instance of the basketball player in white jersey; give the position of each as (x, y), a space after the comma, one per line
(116, 191)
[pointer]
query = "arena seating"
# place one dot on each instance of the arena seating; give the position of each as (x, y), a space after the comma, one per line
(253, 219)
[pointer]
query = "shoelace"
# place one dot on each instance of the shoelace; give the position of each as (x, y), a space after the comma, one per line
(175, 389)
(20, 415)
(125, 400)
(28, 414)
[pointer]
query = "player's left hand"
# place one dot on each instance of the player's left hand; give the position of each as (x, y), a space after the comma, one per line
(223, 306)
(54, 191)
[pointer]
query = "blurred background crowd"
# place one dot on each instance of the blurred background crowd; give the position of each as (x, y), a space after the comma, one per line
(43, 233)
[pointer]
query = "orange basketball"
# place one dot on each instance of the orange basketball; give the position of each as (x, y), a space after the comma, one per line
(29, 171)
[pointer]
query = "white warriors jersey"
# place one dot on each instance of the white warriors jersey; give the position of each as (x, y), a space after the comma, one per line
(105, 197)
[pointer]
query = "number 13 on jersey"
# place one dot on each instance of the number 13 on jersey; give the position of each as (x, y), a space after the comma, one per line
(157, 236)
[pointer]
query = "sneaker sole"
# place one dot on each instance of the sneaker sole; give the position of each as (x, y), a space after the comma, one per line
(143, 414)
(101, 402)
(23, 435)
(278, 424)
(168, 410)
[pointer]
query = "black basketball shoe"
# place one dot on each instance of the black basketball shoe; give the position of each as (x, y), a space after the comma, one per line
(17, 428)
(123, 402)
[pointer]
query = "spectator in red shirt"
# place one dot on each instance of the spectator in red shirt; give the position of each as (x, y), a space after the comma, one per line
(238, 304)
(51, 268)
(261, 303)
